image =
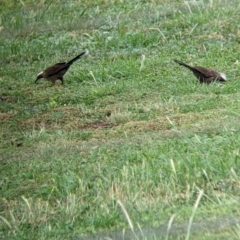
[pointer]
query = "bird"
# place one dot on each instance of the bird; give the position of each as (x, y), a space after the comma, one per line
(57, 71)
(204, 75)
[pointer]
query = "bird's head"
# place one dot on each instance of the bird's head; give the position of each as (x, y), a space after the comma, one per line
(39, 76)
(223, 77)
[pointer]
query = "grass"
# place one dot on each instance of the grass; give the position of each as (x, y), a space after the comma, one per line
(132, 144)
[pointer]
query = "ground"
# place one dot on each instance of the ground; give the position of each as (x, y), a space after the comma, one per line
(132, 142)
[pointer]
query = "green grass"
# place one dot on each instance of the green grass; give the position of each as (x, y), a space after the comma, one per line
(131, 139)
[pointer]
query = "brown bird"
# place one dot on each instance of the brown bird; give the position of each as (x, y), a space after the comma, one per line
(204, 75)
(58, 70)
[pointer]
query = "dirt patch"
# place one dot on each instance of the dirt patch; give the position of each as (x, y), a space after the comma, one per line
(5, 116)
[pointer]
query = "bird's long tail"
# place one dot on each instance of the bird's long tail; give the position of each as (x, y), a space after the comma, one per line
(182, 64)
(77, 57)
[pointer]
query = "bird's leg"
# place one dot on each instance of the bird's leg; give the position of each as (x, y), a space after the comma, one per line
(61, 78)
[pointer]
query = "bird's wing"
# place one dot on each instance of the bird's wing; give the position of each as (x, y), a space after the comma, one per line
(55, 69)
(206, 72)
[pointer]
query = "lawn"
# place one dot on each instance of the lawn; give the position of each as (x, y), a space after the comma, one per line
(132, 146)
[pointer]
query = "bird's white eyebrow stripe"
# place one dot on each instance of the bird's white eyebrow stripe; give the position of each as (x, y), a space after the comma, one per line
(223, 76)
(40, 73)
